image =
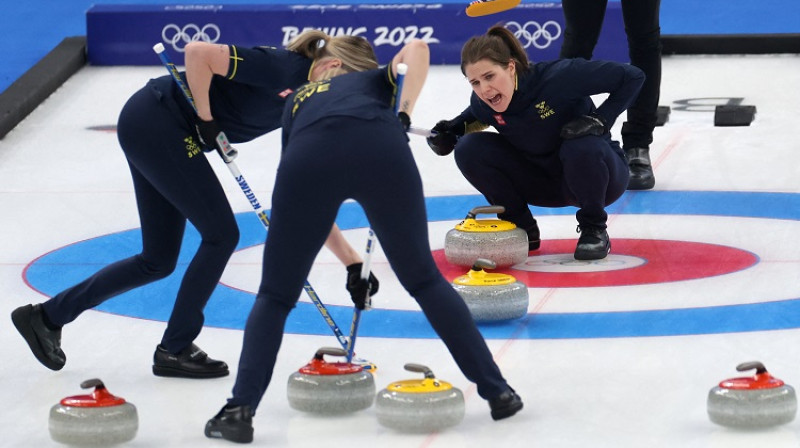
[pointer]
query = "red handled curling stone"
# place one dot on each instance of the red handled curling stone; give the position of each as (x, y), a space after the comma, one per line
(97, 419)
(752, 402)
(330, 388)
(420, 406)
(491, 297)
(495, 239)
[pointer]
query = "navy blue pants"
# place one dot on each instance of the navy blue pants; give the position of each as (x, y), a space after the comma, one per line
(584, 19)
(588, 172)
(371, 162)
(173, 182)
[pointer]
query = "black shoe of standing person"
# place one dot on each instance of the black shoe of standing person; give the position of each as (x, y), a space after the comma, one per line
(534, 240)
(640, 169)
(232, 423)
(191, 362)
(593, 243)
(505, 405)
(44, 342)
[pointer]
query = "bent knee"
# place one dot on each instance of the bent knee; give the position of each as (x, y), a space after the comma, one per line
(157, 268)
(225, 241)
(471, 149)
(223, 235)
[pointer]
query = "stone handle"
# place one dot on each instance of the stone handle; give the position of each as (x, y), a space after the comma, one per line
(752, 365)
(411, 367)
(333, 351)
(486, 210)
(94, 382)
(483, 263)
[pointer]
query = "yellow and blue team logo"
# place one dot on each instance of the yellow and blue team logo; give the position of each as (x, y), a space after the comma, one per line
(307, 90)
(544, 110)
(193, 147)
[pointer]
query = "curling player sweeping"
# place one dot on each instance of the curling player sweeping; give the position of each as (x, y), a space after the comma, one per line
(341, 130)
(238, 92)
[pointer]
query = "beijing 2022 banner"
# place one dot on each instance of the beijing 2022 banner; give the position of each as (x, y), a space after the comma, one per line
(125, 34)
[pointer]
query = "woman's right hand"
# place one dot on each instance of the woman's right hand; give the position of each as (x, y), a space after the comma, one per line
(445, 136)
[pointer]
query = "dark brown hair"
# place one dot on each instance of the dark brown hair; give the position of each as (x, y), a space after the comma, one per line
(498, 45)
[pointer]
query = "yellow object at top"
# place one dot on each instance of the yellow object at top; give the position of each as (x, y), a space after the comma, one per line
(483, 278)
(423, 386)
(485, 225)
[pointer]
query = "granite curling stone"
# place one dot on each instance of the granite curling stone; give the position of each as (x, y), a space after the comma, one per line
(323, 387)
(759, 401)
(96, 419)
(491, 297)
(495, 239)
(419, 406)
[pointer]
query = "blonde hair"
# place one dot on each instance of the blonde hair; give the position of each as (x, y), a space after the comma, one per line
(356, 53)
(498, 45)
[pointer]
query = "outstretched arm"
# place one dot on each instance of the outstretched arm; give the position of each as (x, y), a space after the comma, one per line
(203, 61)
(337, 244)
(416, 55)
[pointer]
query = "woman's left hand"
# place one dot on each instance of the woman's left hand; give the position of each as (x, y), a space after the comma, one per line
(584, 125)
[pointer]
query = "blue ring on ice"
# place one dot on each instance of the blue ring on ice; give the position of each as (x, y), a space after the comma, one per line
(228, 307)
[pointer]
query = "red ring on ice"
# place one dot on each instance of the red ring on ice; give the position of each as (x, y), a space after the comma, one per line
(665, 261)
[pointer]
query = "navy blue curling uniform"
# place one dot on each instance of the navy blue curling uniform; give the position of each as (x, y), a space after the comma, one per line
(342, 141)
(527, 162)
(174, 181)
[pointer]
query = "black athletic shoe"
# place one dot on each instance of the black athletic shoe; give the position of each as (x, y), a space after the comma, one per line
(593, 243)
(234, 424)
(191, 362)
(533, 237)
(505, 405)
(43, 342)
(640, 170)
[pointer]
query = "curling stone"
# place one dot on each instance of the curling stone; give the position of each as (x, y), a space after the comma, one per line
(495, 239)
(752, 402)
(419, 406)
(330, 387)
(97, 419)
(491, 296)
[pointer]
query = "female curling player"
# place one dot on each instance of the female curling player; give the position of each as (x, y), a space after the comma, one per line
(340, 130)
(240, 91)
(552, 147)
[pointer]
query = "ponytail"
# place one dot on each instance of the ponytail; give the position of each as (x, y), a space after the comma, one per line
(498, 45)
(309, 43)
(355, 52)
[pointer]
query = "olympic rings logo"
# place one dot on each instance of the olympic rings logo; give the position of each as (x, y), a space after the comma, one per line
(178, 37)
(542, 35)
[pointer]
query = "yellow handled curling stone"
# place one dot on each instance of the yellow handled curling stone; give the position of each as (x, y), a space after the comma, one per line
(420, 406)
(494, 239)
(491, 297)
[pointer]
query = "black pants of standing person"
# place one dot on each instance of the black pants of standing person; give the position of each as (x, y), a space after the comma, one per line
(173, 182)
(322, 166)
(584, 19)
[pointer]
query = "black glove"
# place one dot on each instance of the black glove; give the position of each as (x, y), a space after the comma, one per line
(357, 287)
(208, 132)
(584, 125)
(405, 120)
(447, 134)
